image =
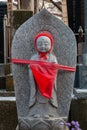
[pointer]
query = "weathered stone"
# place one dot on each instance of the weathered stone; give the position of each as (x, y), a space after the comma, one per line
(9, 83)
(81, 77)
(18, 18)
(8, 114)
(40, 123)
(65, 51)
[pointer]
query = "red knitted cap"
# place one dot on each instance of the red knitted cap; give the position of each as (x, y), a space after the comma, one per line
(44, 33)
(47, 34)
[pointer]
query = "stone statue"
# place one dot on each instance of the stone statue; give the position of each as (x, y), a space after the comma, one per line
(44, 46)
(43, 40)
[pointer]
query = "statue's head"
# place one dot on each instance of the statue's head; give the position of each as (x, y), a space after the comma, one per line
(44, 42)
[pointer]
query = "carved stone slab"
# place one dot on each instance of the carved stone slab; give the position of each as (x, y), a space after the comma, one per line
(42, 124)
(64, 49)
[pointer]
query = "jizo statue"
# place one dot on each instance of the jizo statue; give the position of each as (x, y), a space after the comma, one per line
(43, 64)
(44, 45)
(42, 77)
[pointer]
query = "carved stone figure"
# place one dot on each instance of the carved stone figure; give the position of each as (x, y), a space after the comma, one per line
(44, 46)
(54, 47)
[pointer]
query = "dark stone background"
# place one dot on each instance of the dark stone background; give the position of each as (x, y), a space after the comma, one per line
(8, 115)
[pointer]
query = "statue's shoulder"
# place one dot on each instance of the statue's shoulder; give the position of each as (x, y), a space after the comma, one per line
(53, 58)
(34, 57)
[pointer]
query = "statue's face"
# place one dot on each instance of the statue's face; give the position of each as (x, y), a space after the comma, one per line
(43, 44)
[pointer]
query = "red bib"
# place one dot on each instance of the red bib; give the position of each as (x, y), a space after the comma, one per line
(44, 74)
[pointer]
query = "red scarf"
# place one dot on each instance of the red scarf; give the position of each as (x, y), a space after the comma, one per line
(44, 74)
(43, 56)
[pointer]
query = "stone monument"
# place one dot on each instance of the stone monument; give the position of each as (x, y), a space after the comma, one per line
(43, 45)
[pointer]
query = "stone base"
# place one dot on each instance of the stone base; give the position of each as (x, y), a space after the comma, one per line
(41, 124)
(8, 112)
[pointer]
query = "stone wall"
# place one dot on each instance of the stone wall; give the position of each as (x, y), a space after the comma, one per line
(78, 112)
(18, 17)
(8, 114)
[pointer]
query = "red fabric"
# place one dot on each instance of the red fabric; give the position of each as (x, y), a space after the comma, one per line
(45, 77)
(43, 56)
(44, 33)
(44, 74)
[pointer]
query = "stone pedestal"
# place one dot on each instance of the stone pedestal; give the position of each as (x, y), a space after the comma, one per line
(41, 124)
(23, 48)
